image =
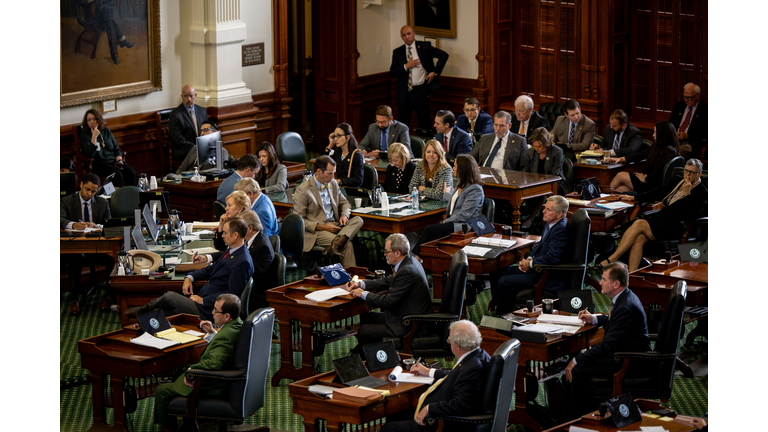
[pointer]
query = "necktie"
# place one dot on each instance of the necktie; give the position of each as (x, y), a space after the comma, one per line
(493, 153)
(546, 231)
(472, 127)
(324, 187)
(410, 71)
(610, 309)
(522, 128)
(616, 141)
(571, 133)
(426, 393)
(445, 142)
(686, 120)
(194, 120)
(226, 254)
(384, 142)
(86, 215)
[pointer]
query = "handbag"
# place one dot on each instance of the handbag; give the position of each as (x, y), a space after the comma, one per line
(351, 159)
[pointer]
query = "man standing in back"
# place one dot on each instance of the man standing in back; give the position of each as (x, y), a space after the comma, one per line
(184, 123)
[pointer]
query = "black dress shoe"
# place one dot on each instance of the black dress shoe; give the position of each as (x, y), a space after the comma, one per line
(116, 59)
(138, 310)
(125, 43)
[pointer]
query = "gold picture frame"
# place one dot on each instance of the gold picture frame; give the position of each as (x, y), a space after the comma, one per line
(437, 20)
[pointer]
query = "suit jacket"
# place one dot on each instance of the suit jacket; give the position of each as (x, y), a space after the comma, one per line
(459, 393)
(553, 163)
(264, 269)
(218, 355)
(427, 53)
(468, 205)
(266, 211)
(536, 121)
(277, 182)
(697, 128)
(308, 204)
(483, 123)
(436, 190)
(225, 276)
(398, 132)
(182, 129)
(582, 138)
(631, 140)
(626, 330)
(460, 143)
(549, 250)
(689, 208)
(70, 211)
(390, 183)
(408, 294)
(516, 147)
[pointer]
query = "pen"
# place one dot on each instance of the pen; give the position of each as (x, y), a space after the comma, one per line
(193, 258)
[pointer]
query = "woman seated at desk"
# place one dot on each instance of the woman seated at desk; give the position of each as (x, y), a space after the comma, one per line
(273, 176)
(400, 170)
(342, 148)
(97, 142)
(542, 158)
(465, 203)
(432, 173)
(237, 203)
(683, 202)
(665, 147)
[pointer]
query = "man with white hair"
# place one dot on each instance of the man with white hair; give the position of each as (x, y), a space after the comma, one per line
(690, 118)
(526, 118)
(456, 391)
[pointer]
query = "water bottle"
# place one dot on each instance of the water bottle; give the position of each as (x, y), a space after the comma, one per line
(143, 182)
(415, 198)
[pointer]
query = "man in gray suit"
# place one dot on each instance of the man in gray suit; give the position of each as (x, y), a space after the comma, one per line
(326, 211)
(79, 211)
(502, 149)
(574, 128)
(407, 294)
(386, 130)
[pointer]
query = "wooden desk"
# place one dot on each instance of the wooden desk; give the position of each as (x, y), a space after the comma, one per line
(603, 172)
(645, 405)
(437, 255)
(516, 186)
(588, 336)
(652, 284)
(193, 199)
(113, 354)
(313, 408)
(605, 223)
(289, 304)
(73, 245)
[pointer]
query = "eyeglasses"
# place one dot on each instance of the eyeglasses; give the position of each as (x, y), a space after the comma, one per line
(470, 109)
(521, 111)
(690, 97)
(387, 251)
(336, 136)
(207, 130)
(691, 172)
(216, 312)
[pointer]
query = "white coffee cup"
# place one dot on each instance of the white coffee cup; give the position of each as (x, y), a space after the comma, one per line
(145, 272)
(358, 202)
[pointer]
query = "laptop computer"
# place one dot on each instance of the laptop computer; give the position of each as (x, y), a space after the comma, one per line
(590, 189)
(576, 300)
(152, 229)
(138, 238)
(382, 355)
(351, 371)
(694, 251)
(481, 226)
(153, 322)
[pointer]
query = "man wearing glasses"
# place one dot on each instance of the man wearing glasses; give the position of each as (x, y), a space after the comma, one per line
(217, 356)
(408, 294)
(474, 120)
(690, 118)
(190, 162)
(526, 118)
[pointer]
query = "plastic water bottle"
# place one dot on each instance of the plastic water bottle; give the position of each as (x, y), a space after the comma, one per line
(415, 198)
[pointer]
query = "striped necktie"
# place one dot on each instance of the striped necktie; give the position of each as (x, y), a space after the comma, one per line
(410, 71)
(430, 390)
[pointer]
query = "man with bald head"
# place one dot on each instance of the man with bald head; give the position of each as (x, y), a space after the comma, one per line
(184, 124)
(417, 76)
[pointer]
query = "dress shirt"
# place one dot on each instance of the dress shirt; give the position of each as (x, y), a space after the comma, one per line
(231, 251)
(418, 73)
(432, 371)
(617, 140)
(362, 283)
(326, 197)
(498, 161)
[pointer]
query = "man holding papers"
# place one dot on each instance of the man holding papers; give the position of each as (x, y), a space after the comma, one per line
(456, 390)
(408, 295)
(217, 356)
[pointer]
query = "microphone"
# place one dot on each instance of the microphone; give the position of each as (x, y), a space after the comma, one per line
(163, 267)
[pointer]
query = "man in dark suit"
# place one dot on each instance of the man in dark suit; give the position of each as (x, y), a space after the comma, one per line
(506, 283)
(408, 294)
(625, 331)
(217, 356)
(526, 118)
(184, 123)
(455, 392)
(503, 149)
(454, 140)
(417, 76)
(474, 120)
(227, 275)
(690, 118)
(574, 128)
(79, 211)
(386, 130)
(620, 137)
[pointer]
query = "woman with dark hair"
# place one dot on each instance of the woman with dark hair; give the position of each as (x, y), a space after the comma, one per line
(665, 147)
(342, 148)
(273, 176)
(542, 158)
(97, 142)
(465, 203)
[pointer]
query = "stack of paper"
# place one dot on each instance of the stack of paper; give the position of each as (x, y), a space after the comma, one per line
(322, 390)
(398, 375)
(326, 294)
(147, 339)
(495, 242)
(356, 395)
(172, 335)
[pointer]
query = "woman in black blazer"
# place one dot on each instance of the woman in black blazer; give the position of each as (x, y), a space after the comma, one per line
(399, 171)
(542, 158)
(666, 146)
(342, 148)
(684, 202)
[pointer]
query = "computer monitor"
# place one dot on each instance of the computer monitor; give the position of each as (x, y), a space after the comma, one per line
(68, 183)
(155, 197)
(146, 214)
(206, 148)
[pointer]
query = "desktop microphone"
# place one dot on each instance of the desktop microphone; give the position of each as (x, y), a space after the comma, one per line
(164, 268)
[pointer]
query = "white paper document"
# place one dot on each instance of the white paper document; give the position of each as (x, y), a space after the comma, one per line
(201, 251)
(326, 294)
(399, 205)
(580, 429)
(147, 339)
(542, 328)
(408, 212)
(398, 375)
(617, 205)
(322, 390)
(577, 201)
(495, 242)
(653, 429)
(365, 210)
(482, 176)
(475, 250)
(194, 333)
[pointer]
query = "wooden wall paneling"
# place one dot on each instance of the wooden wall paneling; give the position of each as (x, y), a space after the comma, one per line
(451, 96)
(376, 90)
(280, 98)
(486, 43)
(237, 124)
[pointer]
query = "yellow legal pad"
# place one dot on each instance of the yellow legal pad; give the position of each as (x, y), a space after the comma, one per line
(172, 335)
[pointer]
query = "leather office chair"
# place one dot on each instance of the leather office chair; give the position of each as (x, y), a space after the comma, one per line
(274, 239)
(218, 209)
(550, 111)
(370, 178)
(649, 374)
(280, 269)
(417, 147)
(599, 140)
(435, 343)
(573, 261)
(124, 201)
(669, 169)
(162, 119)
(245, 299)
(568, 187)
(497, 389)
(292, 239)
(247, 379)
(290, 147)
(647, 144)
(489, 208)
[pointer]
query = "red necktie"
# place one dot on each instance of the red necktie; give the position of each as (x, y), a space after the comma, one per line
(445, 142)
(686, 120)
(226, 254)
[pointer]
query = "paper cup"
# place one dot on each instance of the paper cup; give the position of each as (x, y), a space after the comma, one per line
(145, 272)
(358, 202)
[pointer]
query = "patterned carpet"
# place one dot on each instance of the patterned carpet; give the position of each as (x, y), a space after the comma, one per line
(689, 396)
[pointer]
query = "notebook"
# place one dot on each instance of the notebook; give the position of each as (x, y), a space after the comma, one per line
(382, 355)
(351, 371)
(576, 300)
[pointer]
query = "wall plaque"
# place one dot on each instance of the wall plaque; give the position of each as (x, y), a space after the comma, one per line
(253, 54)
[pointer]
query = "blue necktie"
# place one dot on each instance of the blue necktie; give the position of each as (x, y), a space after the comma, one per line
(616, 141)
(493, 153)
(86, 215)
(384, 143)
(546, 231)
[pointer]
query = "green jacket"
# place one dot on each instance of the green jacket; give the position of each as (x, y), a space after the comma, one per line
(109, 148)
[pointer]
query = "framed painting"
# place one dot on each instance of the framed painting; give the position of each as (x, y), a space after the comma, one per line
(433, 17)
(110, 49)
